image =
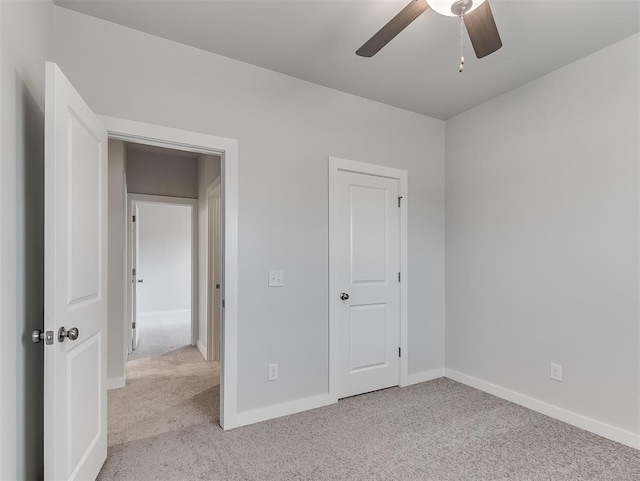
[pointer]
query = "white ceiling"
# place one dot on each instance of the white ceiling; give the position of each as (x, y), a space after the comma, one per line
(316, 40)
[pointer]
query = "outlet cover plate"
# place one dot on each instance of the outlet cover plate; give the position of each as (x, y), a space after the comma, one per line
(556, 372)
(273, 372)
(276, 278)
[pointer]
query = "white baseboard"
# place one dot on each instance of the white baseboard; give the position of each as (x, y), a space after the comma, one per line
(178, 312)
(202, 348)
(423, 376)
(116, 383)
(283, 409)
(597, 427)
(293, 407)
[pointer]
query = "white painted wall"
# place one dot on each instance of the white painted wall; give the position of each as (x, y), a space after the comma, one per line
(286, 129)
(161, 174)
(208, 171)
(26, 39)
(164, 258)
(542, 238)
(117, 259)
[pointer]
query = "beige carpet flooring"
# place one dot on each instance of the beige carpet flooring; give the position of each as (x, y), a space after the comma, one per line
(165, 393)
(162, 333)
(163, 426)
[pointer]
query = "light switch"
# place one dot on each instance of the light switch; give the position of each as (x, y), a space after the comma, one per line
(276, 278)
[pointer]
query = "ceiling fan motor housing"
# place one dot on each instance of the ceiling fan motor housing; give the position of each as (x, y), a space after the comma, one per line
(460, 7)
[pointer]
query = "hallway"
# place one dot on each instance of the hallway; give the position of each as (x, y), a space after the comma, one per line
(163, 394)
(162, 333)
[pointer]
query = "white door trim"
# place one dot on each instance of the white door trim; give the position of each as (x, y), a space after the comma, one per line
(343, 165)
(150, 134)
(134, 199)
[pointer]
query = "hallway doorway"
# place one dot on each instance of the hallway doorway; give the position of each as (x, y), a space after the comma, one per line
(163, 287)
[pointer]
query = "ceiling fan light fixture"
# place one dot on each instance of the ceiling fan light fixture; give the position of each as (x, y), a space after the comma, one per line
(453, 8)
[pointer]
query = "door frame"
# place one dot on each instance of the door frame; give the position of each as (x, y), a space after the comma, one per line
(132, 201)
(337, 165)
(227, 149)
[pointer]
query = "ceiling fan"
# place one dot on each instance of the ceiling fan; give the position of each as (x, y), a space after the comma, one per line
(475, 14)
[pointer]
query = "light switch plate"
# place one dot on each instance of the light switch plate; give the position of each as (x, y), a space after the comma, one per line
(276, 278)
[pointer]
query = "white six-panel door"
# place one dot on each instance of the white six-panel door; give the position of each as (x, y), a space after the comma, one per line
(364, 258)
(75, 392)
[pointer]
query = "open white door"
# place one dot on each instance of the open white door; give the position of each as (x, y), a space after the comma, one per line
(214, 294)
(75, 361)
(135, 279)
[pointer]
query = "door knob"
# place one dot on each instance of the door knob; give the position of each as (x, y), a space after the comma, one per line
(39, 336)
(344, 296)
(72, 334)
(140, 281)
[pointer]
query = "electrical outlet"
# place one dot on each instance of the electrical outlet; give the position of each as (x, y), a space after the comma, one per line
(276, 279)
(556, 372)
(273, 372)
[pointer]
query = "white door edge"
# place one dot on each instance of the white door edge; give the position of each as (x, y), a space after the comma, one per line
(344, 165)
(213, 241)
(160, 136)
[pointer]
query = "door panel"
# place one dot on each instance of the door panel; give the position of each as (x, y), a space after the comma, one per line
(369, 257)
(368, 337)
(75, 436)
(84, 426)
(364, 225)
(83, 213)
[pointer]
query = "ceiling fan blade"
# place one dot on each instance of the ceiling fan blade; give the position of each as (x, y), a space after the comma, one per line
(396, 25)
(482, 30)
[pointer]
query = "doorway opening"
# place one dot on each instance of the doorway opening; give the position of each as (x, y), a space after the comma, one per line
(172, 368)
(227, 151)
(162, 252)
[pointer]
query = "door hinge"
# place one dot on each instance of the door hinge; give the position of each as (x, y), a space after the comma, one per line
(399, 201)
(133, 218)
(133, 325)
(133, 272)
(223, 303)
(399, 352)
(398, 277)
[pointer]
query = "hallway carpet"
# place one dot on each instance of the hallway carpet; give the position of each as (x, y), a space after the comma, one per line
(162, 333)
(163, 426)
(164, 393)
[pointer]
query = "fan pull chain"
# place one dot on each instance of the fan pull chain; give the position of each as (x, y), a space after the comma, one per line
(461, 67)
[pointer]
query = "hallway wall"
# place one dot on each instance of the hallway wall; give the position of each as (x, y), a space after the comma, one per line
(164, 258)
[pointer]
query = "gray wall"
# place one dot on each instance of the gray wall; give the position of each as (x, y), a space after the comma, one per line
(161, 174)
(164, 258)
(286, 129)
(26, 39)
(208, 171)
(117, 310)
(542, 238)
